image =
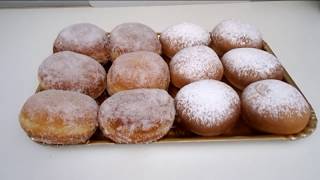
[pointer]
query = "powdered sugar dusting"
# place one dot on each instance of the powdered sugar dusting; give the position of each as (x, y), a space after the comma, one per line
(71, 107)
(237, 32)
(275, 98)
(131, 37)
(207, 102)
(85, 34)
(196, 63)
(71, 71)
(245, 61)
(141, 69)
(185, 35)
(127, 114)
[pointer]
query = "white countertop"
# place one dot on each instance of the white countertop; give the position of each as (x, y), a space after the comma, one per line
(26, 36)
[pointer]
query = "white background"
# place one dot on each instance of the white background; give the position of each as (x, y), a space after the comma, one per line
(26, 35)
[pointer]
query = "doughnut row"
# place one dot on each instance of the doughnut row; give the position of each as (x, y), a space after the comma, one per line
(133, 85)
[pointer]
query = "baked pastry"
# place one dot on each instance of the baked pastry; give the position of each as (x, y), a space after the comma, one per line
(183, 35)
(59, 117)
(275, 107)
(193, 64)
(131, 37)
(135, 70)
(137, 116)
(86, 39)
(207, 107)
(246, 65)
(230, 34)
(68, 70)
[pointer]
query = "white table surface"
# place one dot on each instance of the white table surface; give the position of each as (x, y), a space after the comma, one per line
(26, 36)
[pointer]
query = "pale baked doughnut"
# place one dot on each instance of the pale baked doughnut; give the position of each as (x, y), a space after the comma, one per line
(230, 34)
(68, 70)
(135, 70)
(246, 65)
(131, 37)
(207, 107)
(86, 39)
(193, 64)
(137, 116)
(183, 35)
(59, 117)
(275, 107)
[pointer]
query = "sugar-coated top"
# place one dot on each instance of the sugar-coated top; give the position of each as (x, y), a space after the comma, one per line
(84, 34)
(70, 107)
(130, 37)
(71, 71)
(138, 110)
(275, 98)
(185, 35)
(196, 63)
(207, 102)
(237, 32)
(250, 61)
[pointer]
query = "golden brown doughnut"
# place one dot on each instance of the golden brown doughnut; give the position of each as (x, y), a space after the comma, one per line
(131, 37)
(183, 35)
(207, 107)
(244, 66)
(68, 70)
(275, 107)
(59, 117)
(135, 70)
(86, 39)
(137, 116)
(193, 64)
(230, 34)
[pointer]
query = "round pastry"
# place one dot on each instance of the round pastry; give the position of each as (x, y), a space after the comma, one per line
(84, 38)
(275, 107)
(183, 35)
(137, 116)
(243, 66)
(207, 107)
(230, 34)
(68, 70)
(135, 70)
(131, 37)
(193, 64)
(59, 117)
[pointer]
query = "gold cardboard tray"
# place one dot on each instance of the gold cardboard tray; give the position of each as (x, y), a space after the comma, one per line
(241, 132)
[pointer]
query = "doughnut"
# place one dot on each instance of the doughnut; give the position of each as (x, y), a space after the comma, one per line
(230, 34)
(59, 117)
(68, 70)
(137, 116)
(275, 107)
(243, 66)
(193, 64)
(131, 37)
(86, 39)
(207, 107)
(183, 35)
(141, 69)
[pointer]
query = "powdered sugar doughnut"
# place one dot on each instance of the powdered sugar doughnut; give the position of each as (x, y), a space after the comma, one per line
(68, 70)
(275, 107)
(230, 34)
(136, 70)
(183, 35)
(247, 65)
(131, 37)
(59, 117)
(193, 64)
(137, 116)
(84, 38)
(207, 107)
